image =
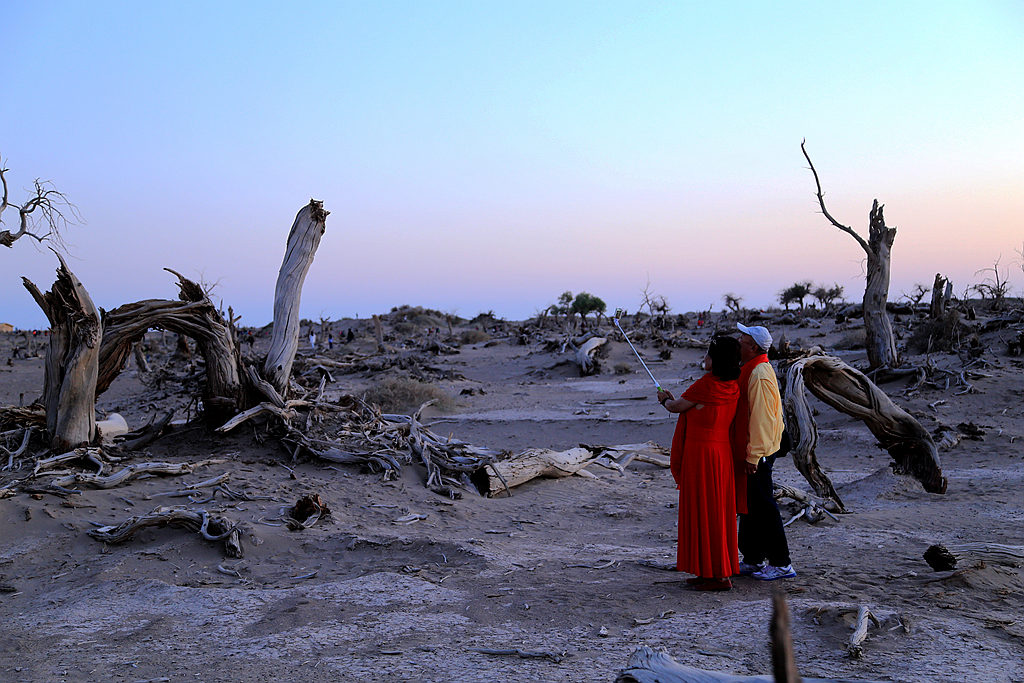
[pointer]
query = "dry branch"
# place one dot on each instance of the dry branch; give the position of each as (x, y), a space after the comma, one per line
(860, 632)
(136, 471)
(211, 527)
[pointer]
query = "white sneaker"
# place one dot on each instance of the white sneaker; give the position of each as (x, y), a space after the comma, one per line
(770, 573)
(749, 569)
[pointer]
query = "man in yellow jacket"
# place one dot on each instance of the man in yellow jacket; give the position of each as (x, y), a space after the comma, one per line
(762, 538)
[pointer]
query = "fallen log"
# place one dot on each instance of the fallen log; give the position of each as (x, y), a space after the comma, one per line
(211, 527)
(493, 478)
(944, 558)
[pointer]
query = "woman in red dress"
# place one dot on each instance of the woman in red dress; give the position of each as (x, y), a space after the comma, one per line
(703, 469)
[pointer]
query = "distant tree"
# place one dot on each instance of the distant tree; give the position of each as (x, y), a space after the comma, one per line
(995, 287)
(42, 217)
(564, 305)
(656, 303)
(586, 303)
(917, 295)
(827, 296)
(795, 294)
(732, 302)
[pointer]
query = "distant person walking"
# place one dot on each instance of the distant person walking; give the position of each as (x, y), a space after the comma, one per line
(757, 442)
(702, 466)
(312, 340)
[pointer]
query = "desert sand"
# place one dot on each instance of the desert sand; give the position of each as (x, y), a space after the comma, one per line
(562, 581)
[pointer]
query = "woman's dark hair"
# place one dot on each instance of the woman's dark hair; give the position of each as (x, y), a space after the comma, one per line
(725, 357)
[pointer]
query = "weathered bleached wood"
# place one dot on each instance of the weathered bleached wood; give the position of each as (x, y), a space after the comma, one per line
(849, 391)
(113, 425)
(803, 435)
(530, 464)
(650, 666)
(946, 557)
(860, 632)
(72, 359)
(586, 355)
(303, 241)
(128, 473)
(210, 527)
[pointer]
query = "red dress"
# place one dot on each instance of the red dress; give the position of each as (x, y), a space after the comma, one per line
(702, 465)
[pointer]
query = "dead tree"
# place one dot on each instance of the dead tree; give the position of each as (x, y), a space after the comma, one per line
(849, 391)
(881, 342)
(192, 315)
(942, 290)
(303, 241)
(72, 359)
(53, 209)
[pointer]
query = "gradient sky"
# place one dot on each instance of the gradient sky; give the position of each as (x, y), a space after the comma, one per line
(489, 155)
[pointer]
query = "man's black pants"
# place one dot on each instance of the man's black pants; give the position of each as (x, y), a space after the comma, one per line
(761, 536)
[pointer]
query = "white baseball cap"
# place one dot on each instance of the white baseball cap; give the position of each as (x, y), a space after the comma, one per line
(762, 337)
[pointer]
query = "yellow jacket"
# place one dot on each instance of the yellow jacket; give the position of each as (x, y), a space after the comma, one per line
(766, 422)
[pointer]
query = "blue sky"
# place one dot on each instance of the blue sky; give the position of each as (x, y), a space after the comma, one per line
(488, 156)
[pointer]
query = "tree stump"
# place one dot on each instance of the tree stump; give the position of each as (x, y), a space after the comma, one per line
(72, 359)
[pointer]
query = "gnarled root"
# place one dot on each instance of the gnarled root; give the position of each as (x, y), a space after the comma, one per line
(212, 527)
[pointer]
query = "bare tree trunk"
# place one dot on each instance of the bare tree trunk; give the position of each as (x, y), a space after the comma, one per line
(303, 241)
(72, 360)
(849, 391)
(881, 343)
(942, 290)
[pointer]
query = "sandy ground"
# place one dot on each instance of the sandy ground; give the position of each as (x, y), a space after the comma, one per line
(559, 569)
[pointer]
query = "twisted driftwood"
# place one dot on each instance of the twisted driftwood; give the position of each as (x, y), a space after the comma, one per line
(212, 527)
(849, 391)
(803, 435)
(128, 473)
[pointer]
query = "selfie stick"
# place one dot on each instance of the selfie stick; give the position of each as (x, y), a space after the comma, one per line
(618, 312)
